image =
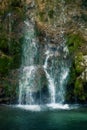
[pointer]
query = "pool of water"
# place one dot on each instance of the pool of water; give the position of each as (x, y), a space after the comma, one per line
(13, 118)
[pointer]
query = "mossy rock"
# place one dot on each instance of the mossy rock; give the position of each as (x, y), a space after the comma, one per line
(5, 64)
(84, 17)
(78, 63)
(84, 4)
(51, 13)
(79, 89)
(15, 52)
(72, 75)
(4, 45)
(41, 16)
(15, 3)
(74, 42)
(79, 69)
(69, 1)
(10, 90)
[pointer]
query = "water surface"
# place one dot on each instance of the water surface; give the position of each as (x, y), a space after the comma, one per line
(19, 119)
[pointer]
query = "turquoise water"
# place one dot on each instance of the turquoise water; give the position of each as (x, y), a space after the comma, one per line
(19, 119)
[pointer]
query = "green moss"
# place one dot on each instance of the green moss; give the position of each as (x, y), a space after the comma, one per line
(70, 1)
(75, 85)
(5, 64)
(10, 48)
(15, 3)
(79, 69)
(72, 75)
(51, 13)
(78, 63)
(4, 43)
(1, 13)
(15, 52)
(84, 17)
(19, 12)
(84, 3)
(9, 90)
(41, 16)
(79, 89)
(75, 82)
(16, 61)
(74, 41)
(79, 57)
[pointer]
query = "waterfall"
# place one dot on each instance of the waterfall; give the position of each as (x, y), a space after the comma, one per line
(25, 95)
(50, 80)
(28, 66)
(44, 69)
(54, 69)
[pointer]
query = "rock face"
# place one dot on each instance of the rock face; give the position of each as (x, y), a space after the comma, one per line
(67, 17)
(51, 19)
(11, 36)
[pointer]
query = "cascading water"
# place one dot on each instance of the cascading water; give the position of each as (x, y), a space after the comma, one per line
(44, 70)
(28, 68)
(56, 67)
(50, 80)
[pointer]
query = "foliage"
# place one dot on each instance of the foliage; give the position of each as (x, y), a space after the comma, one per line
(74, 41)
(79, 89)
(4, 43)
(5, 64)
(78, 63)
(50, 13)
(12, 15)
(84, 17)
(84, 4)
(72, 74)
(41, 15)
(15, 3)
(76, 84)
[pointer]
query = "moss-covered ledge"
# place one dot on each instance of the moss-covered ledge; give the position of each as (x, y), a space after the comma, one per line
(76, 88)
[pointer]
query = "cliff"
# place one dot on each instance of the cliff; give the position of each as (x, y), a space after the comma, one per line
(51, 20)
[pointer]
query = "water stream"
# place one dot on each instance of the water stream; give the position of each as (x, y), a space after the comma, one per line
(50, 80)
(44, 69)
(50, 74)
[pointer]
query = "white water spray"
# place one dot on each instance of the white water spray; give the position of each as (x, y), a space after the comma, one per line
(50, 80)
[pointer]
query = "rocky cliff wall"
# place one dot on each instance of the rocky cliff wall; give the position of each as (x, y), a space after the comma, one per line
(51, 19)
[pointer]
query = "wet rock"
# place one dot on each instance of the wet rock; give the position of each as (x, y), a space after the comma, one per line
(38, 78)
(53, 20)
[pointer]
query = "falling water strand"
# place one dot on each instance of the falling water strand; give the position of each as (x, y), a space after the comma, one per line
(50, 80)
(62, 83)
(25, 95)
(28, 66)
(31, 89)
